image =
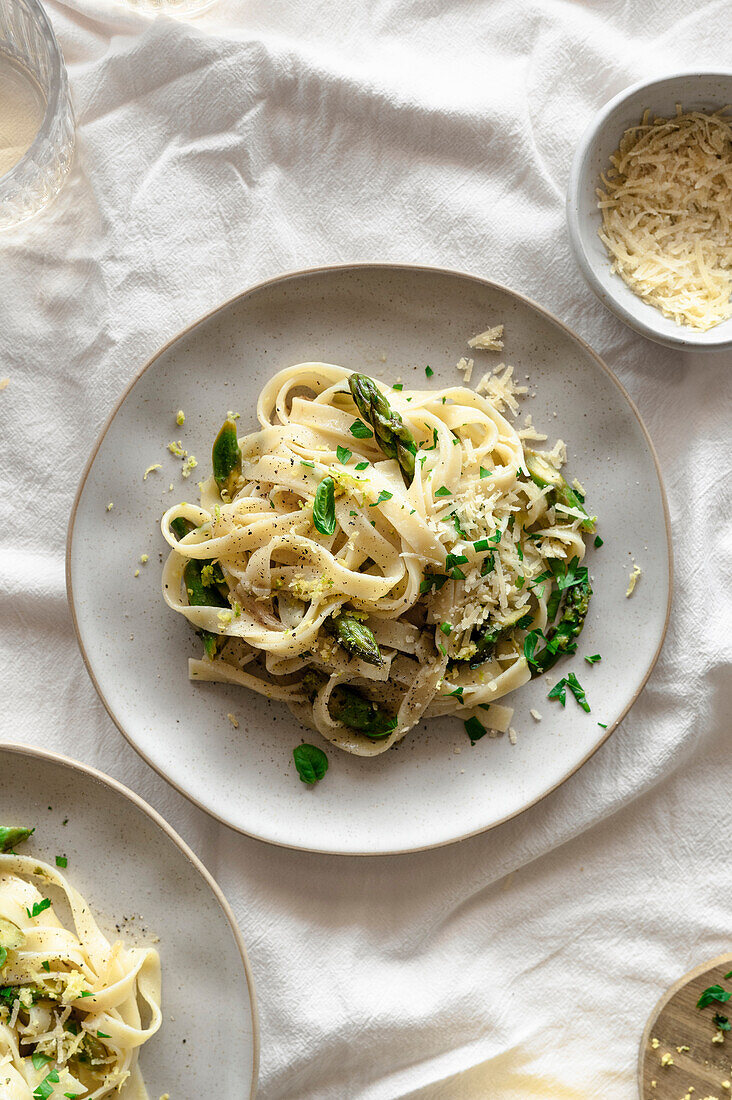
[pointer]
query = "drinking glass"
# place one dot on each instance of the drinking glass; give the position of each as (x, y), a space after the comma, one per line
(33, 87)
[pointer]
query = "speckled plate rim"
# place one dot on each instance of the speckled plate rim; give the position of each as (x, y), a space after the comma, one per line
(392, 267)
(33, 752)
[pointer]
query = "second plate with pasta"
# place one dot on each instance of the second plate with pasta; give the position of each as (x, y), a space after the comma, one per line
(406, 559)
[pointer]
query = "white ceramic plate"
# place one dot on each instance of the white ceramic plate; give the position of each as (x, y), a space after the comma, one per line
(127, 861)
(387, 321)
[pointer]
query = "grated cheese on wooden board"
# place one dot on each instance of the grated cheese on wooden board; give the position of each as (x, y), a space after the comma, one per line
(667, 215)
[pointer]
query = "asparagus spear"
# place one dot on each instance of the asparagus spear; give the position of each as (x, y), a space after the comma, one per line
(356, 637)
(226, 457)
(544, 474)
(201, 595)
(13, 835)
(394, 439)
(350, 706)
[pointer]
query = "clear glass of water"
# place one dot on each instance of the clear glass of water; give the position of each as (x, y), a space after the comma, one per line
(36, 117)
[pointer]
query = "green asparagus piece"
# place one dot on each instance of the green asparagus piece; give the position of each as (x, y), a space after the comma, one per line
(201, 595)
(13, 835)
(543, 474)
(180, 527)
(394, 439)
(356, 637)
(91, 1049)
(226, 457)
(563, 638)
(348, 705)
(487, 641)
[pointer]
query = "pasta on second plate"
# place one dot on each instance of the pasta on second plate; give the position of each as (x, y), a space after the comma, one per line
(373, 556)
(70, 1001)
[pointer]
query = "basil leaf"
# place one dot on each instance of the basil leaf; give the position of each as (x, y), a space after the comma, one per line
(311, 763)
(324, 507)
(343, 454)
(713, 993)
(360, 431)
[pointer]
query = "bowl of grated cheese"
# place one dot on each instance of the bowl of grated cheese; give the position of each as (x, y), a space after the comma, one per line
(649, 209)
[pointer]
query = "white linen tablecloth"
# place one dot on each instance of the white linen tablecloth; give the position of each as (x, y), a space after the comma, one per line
(279, 134)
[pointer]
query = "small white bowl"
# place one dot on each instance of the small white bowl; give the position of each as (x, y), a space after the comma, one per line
(694, 91)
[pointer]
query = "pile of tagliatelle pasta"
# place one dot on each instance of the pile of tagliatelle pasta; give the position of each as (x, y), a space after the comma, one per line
(373, 556)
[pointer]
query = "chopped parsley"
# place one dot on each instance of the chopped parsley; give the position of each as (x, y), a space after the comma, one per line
(38, 907)
(598, 542)
(383, 495)
(46, 966)
(428, 371)
(484, 473)
(343, 454)
(40, 1060)
(603, 725)
(496, 537)
(458, 694)
(572, 683)
(475, 729)
(593, 659)
(446, 628)
(398, 386)
(721, 1022)
(559, 692)
(488, 565)
(62, 861)
(103, 1035)
(46, 1089)
(361, 465)
(359, 430)
(432, 580)
(443, 491)
(481, 544)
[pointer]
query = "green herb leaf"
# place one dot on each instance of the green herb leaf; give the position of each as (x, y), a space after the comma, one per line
(713, 993)
(578, 691)
(305, 462)
(489, 563)
(45, 1089)
(721, 1022)
(593, 659)
(3, 955)
(46, 966)
(62, 861)
(446, 628)
(475, 729)
(383, 495)
(428, 371)
(324, 507)
(559, 692)
(481, 544)
(40, 1060)
(311, 763)
(484, 473)
(398, 386)
(530, 642)
(343, 454)
(361, 465)
(728, 976)
(598, 542)
(38, 907)
(443, 491)
(603, 725)
(360, 431)
(497, 537)
(103, 1035)
(432, 580)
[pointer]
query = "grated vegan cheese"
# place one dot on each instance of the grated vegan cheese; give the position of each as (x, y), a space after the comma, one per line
(667, 215)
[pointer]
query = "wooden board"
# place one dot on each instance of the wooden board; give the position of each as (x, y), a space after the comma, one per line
(677, 1022)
